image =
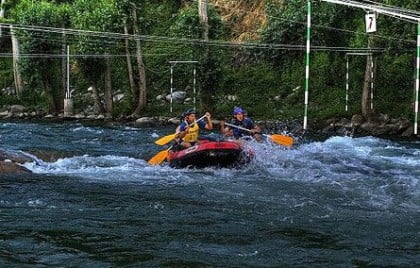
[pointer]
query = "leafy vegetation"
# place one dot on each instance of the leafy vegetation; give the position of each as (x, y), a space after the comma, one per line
(244, 62)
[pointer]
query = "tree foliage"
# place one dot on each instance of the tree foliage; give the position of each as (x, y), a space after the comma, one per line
(267, 80)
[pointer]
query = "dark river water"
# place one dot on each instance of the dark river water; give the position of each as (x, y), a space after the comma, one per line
(338, 201)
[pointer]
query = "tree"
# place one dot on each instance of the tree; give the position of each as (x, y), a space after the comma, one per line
(142, 97)
(41, 72)
(101, 15)
(189, 24)
(17, 76)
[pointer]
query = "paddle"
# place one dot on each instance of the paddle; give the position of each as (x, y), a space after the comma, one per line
(159, 157)
(166, 139)
(277, 138)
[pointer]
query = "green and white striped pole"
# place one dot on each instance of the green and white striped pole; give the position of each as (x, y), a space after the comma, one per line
(172, 83)
(347, 82)
(308, 52)
(194, 87)
(371, 82)
(416, 108)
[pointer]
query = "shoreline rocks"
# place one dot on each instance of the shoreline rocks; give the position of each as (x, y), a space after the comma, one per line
(380, 125)
(374, 125)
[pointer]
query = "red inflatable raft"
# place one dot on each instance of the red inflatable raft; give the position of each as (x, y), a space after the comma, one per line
(208, 153)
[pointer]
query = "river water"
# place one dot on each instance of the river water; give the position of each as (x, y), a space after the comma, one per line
(335, 201)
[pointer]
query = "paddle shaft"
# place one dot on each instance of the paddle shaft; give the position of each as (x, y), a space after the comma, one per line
(277, 138)
(201, 118)
(242, 128)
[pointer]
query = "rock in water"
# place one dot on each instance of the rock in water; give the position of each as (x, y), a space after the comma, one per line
(8, 167)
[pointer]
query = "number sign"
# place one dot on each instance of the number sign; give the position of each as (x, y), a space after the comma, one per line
(371, 23)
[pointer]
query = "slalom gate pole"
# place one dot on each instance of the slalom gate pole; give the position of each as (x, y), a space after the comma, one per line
(416, 106)
(308, 52)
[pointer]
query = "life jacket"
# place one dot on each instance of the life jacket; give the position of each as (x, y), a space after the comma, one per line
(192, 134)
(246, 123)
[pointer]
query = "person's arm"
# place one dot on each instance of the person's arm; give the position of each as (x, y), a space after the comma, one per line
(183, 130)
(256, 130)
(224, 129)
(249, 124)
(209, 124)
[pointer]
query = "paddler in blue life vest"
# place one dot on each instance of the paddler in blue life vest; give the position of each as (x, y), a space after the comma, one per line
(241, 119)
(189, 130)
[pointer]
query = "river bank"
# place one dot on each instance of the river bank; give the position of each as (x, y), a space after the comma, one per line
(375, 125)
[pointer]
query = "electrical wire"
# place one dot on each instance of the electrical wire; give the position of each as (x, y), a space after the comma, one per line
(172, 40)
(324, 27)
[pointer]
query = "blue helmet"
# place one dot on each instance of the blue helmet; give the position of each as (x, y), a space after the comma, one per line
(238, 110)
(189, 111)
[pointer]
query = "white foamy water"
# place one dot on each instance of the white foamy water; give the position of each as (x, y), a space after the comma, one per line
(344, 201)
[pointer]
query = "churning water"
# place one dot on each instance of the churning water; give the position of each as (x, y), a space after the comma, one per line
(338, 201)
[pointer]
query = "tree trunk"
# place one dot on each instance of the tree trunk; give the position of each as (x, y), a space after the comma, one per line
(2, 9)
(108, 88)
(2, 14)
(99, 109)
(52, 107)
(202, 12)
(366, 88)
(16, 70)
(130, 66)
(141, 105)
(366, 99)
(52, 90)
(207, 86)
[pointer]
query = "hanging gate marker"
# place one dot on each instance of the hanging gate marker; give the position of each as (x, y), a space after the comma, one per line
(175, 62)
(398, 13)
(370, 22)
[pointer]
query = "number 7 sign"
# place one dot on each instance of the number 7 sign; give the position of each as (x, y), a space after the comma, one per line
(371, 23)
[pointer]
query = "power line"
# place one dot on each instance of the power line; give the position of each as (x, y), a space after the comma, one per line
(326, 27)
(173, 40)
(52, 55)
(393, 12)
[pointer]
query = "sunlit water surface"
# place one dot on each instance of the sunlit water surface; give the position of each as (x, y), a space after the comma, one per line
(339, 201)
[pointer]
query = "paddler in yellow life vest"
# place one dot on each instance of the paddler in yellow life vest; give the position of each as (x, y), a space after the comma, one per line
(189, 130)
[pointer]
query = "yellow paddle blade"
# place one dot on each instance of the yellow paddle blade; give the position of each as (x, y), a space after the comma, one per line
(158, 158)
(165, 140)
(281, 139)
